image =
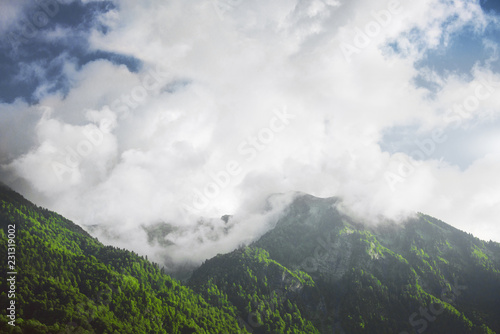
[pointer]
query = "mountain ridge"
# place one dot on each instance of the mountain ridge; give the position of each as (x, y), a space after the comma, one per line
(386, 274)
(68, 282)
(317, 270)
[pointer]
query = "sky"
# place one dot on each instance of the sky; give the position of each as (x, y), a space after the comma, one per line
(122, 115)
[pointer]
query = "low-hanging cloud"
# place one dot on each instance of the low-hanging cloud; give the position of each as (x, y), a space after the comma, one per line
(238, 100)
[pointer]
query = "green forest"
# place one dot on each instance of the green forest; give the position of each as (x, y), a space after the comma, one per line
(68, 282)
(316, 271)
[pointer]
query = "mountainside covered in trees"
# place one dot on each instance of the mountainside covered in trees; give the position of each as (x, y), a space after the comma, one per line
(316, 271)
(347, 277)
(68, 282)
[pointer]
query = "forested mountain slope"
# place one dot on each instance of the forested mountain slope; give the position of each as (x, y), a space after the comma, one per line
(68, 282)
(419, 275)
(316, 271)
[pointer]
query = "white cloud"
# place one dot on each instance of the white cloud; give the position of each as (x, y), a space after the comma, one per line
(224, 71)
(11, 13)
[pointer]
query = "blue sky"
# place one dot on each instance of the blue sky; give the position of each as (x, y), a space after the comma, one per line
(458, 55)
(76, 19)
(204, 108)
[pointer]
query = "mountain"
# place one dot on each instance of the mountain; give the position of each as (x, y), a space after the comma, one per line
(322, 268)
(267, 295)
(66, 281)
(316, 271)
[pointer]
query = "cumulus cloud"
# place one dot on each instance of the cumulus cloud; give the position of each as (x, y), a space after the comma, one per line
(239, 100)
